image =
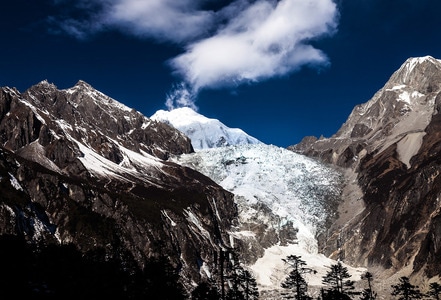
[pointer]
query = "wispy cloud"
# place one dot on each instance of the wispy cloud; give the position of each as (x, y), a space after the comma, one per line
(244, 41)
(170, 20)
(177, 21)
(181, 96)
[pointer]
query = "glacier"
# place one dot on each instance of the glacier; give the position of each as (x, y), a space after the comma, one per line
(275, 187)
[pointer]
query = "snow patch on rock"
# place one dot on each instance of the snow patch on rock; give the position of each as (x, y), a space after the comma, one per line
(409, 146)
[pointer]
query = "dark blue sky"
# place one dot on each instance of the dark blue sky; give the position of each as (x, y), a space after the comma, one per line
(373, 38)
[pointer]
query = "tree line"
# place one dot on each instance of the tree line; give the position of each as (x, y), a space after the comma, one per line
(62, 272)
(52, 271)
(336, 282)
(338, 285)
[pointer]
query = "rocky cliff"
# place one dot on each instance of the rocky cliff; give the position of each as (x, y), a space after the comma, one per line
(390, 147)
(79, 168)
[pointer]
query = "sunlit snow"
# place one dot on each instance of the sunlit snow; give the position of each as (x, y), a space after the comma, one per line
(270, 271)
(407, 97)
(15, 183)
(106, 168)
(34, 110)
(204, 132)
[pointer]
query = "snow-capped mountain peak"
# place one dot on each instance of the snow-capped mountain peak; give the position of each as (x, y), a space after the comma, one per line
(414, 71)
(412, 62)
(204, 132)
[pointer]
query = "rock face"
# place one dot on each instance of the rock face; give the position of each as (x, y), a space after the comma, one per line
(391, 144)
(77, 167)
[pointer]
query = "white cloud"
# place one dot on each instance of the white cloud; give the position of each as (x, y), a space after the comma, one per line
(244, 41)
(266, 39)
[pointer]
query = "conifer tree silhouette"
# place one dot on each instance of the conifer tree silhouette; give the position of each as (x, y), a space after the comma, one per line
(434, 291)
(295, 281)
(405, 290)
(340, 287)
(368, 293)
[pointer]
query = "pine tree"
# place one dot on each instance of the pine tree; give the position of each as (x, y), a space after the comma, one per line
(295, 281)
(340, 287)
(368, 293)
(249, 285)
(405, 290)
(244, 285)
(434, 291)
(297, 284)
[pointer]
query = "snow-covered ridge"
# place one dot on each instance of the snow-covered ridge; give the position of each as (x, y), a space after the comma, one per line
(204, 132)
(411, 64)
(118, 140)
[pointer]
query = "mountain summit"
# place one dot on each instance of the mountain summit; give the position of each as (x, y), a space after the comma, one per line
(203, 132)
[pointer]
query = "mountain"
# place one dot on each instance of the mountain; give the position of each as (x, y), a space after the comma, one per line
(99, 200)
(203, 132)
(390, 146)
(79, 168)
